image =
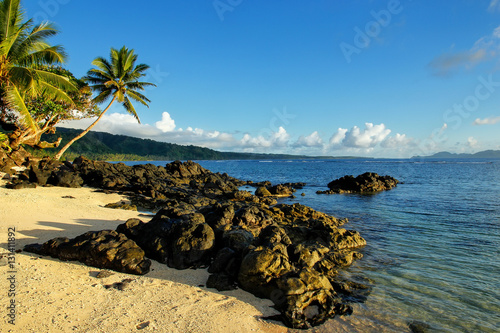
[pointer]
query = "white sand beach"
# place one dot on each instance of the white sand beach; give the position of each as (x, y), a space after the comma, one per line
(55, 296)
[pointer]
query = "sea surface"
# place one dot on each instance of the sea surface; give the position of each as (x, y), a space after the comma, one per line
(433, 241)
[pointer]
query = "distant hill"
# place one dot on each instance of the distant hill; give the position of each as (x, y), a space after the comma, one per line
(110, 147)
(447, 155)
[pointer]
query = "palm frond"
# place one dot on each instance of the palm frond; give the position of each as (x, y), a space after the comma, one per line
(103, 96)
(139, 85)
(130, 109)
(138, 97)
(103, 64)
(62, 82)
(16, 101)
(55, 92)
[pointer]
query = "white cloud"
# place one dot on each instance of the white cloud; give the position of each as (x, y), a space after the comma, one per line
(400, 141)
(471, 142)
(372, 139)
(338, 136)
(484, 49)
(166, 124)
(486, 121)
(367, 138)
(312, 140)
(276, 139)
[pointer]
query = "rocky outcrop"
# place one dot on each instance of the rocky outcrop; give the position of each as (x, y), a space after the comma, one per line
(280, 190)
(368, 182)
(288, 253)
(103, 249)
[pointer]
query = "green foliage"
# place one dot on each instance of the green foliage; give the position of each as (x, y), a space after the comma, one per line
(43, 108)
(23, 52)
(117, 79)
(109, 147)
(4, 142)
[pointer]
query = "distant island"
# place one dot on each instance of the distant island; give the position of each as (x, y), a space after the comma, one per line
(447, 155)
(110, 147)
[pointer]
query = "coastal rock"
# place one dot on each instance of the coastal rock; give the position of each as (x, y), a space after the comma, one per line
(368, 182)
(121, 205)
(103, 249)
(221, 282)
(183, 241)
(41, 172)
(262, 192)
(287, 253)
(281, 190)
(65, 177)
(190, 245)
(19, 184)
(185, 170)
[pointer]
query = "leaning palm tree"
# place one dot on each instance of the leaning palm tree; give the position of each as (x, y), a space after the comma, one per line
(24, 54)
(117, 79)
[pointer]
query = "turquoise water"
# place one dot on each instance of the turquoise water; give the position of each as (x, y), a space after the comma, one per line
(433, 242)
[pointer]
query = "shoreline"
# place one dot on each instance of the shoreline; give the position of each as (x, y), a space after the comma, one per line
(56, 296)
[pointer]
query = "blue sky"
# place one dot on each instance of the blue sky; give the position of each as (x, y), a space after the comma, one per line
(375, 78)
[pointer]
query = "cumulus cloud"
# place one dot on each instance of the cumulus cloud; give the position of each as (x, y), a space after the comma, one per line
(166, 124)
(471, 142)
(275, 139)
(366, 138)
(371, 139)
(354, 141)
(486, 121)
(165, 131)
(396, 142)
(338, 136)
(484, 49)
(312, 140)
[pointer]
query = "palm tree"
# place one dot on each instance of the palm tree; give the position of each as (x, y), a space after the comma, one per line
(24, 52)
(116, 79)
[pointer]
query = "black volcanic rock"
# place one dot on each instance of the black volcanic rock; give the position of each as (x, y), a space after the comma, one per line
(368, 182)
(289, 254)
(103, 249)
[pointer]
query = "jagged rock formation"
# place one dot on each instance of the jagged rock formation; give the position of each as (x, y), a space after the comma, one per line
(368, 182)
(288, 253)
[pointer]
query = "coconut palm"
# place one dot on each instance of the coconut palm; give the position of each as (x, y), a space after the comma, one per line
(24, 54)
(118, 80)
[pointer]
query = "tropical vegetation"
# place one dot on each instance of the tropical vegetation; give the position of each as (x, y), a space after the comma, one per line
(116, 79)
(28, 78)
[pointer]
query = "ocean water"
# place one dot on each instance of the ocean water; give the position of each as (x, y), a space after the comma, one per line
(433, 241)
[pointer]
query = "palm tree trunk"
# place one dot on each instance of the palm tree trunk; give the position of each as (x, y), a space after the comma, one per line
(79, 136)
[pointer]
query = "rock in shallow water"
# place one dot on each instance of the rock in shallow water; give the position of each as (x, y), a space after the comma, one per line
(368, 182)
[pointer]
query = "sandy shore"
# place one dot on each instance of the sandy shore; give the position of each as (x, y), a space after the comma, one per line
(56, 296)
